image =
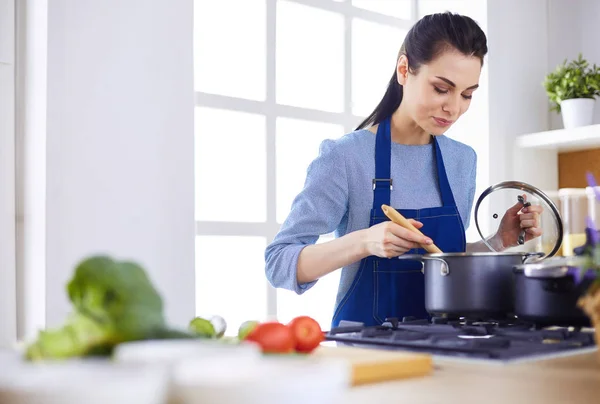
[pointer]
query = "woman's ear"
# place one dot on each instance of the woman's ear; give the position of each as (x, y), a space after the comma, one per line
(402, 69)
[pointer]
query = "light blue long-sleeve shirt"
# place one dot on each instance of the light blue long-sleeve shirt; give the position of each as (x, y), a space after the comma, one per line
(338, 196)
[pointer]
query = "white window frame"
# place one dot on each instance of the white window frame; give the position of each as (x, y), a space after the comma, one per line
(8, 283)
(271, 110)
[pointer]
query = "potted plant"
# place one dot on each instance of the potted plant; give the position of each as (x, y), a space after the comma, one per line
(572, 90)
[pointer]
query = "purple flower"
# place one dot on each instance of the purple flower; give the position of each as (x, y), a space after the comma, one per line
(593, 232)
(592, 183)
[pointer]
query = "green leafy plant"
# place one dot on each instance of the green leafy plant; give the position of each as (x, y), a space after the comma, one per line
(113, 302)
(575, 79)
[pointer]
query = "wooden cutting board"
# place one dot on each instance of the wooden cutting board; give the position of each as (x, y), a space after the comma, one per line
(377, 365)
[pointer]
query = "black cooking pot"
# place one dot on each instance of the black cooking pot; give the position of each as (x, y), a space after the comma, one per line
(547, 293)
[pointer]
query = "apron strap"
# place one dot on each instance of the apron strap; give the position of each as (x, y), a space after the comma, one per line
(445, 190)
(382, 183)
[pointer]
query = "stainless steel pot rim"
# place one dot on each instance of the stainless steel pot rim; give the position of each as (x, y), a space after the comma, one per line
(556, 262)
(475, 254)
(552, 268)
(553, 272)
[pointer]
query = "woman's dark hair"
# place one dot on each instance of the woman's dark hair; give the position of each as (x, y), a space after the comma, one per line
(427, 39)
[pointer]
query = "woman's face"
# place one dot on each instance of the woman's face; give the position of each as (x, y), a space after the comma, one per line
(440, 92)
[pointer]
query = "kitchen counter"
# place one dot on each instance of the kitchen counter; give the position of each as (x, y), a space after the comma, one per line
(572, 379)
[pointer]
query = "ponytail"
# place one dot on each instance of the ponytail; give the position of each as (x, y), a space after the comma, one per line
(389, 103)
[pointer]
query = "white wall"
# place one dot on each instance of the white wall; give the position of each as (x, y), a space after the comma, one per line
(119, 145)
(7, 174)
(565, 26)
(590, 46)
(518, 104)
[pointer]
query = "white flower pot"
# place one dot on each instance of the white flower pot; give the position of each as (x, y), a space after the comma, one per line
(577, 112)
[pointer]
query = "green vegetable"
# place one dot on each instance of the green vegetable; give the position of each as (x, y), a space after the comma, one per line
(246, 328)
(230, 340)
(577, 79)
(114, 302)
(117, 294)
(202, 327)
(80, 336)
(166, 333)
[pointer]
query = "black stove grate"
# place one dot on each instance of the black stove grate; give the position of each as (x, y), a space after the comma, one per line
(501, 340)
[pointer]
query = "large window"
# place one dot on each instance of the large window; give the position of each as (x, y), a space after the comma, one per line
(273, 79)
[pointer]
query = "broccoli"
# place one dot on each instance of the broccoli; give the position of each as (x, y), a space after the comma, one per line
(114, 302)
(118, 295)
(78, 337)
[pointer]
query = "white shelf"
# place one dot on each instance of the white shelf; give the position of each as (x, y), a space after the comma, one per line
(582, 138)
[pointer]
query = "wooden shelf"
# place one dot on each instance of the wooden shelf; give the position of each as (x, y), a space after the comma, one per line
(562, 140)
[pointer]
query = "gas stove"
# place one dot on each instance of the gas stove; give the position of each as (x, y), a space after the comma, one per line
(500, 341)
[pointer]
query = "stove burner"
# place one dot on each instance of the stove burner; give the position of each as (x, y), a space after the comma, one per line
(501, 340)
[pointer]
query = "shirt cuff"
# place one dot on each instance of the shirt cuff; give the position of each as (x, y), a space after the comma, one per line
(299, 288)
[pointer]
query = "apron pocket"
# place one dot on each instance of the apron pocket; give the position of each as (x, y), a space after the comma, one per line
(351, 311)
(399, 289)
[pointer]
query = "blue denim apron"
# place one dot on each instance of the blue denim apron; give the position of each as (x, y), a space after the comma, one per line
(392, 287)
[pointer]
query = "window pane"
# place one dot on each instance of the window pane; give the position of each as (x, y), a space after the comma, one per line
(230, 48)
(439, 6)
(230, 166)
(318, 302)
(374, 53)
(235, 288)
(297, 146)
(427, 7)
(310, 57)
(394, 8)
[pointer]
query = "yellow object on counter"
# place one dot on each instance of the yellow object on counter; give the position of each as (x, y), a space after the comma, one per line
(572, 241)
(375, 365)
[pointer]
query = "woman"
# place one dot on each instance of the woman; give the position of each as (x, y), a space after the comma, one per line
(399, 157)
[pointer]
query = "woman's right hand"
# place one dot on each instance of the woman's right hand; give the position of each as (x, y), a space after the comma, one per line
(389, 240)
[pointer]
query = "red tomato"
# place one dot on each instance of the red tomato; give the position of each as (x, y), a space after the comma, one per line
(307, 333)
(273, 337)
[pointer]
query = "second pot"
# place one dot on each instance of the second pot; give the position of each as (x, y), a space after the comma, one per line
(547, 293)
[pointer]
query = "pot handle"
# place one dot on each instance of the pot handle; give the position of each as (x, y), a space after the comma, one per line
(414, 257)
(444, 267)
(529, 255)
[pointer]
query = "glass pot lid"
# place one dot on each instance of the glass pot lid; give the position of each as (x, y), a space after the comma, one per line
(498, 216)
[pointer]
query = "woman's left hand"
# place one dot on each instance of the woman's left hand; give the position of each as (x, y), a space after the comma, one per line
(515, 220)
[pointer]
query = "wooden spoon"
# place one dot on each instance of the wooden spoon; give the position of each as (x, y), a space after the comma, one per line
(397, 218)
